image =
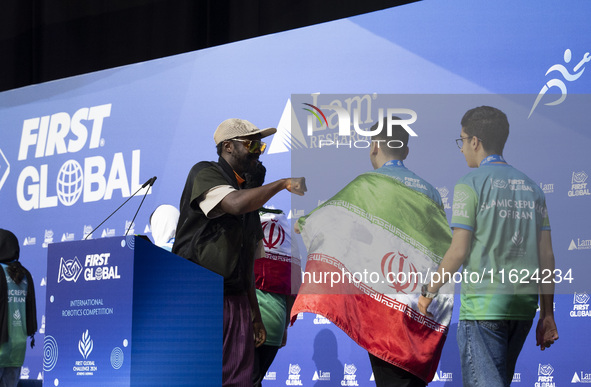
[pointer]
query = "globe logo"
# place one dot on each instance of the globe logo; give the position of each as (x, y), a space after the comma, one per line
(69, 183)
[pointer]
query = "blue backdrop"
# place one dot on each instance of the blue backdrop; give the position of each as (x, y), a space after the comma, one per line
(72, 150)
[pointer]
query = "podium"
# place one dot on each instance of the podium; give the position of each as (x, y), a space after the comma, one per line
(124, 312)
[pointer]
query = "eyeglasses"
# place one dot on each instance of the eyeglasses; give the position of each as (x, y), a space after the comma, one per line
(460, 141)
(253, 146)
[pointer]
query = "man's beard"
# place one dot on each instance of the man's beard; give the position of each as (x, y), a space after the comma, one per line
(251, 161)
(255, 176)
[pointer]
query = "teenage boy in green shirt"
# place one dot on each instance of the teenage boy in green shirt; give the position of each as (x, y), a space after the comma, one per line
(501, 226)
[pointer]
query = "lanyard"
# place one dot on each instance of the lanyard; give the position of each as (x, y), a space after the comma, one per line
(492, 159)
(395, 163)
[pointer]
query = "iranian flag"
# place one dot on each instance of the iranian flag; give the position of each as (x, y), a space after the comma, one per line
(370, 248)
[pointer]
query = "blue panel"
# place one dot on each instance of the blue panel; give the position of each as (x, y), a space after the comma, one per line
(177, 321)
(88, 318)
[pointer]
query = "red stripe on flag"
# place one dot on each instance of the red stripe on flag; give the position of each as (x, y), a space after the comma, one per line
(383, 326)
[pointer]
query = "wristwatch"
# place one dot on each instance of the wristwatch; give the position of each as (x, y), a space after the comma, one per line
(425, 293)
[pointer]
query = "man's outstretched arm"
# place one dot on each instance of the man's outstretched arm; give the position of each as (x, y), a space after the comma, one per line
(248, 200)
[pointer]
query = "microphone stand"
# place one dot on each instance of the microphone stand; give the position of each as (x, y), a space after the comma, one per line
(149, 182)
(152, 180)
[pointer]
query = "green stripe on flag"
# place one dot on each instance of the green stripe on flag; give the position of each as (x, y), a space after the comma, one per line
(386, 202)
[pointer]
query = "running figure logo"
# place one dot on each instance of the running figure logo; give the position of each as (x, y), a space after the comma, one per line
(577, 72)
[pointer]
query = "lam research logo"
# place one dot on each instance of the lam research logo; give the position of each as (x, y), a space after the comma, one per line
(289, 133)
(516, 377)
(578, 70)
(344, 124)
(291, 136)
(579, 244)
(30, 241)
(4, 169)
(322, 376)
(443, 376)
(69, 270)
(581, 377)
(547, 187)
(344, 119)
(270, 375)
(108, 232)
(67, 237)
(295, 213)
(316, 115)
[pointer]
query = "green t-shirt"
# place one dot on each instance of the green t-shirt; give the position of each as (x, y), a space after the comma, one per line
(506, 211)
(273, 313)
(12, 353)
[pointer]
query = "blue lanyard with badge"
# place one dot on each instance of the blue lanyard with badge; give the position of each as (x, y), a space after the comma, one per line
(395, 163)
(492, 159)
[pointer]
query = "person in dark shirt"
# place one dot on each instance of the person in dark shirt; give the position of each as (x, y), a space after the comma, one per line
(219, 228)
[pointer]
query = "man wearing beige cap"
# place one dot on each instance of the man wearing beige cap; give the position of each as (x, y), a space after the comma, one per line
(219, 228)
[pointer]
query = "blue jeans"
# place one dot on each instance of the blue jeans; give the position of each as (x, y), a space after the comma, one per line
(9, 376)
(489, 350)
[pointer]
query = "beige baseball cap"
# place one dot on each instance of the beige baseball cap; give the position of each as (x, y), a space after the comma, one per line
(235, 127)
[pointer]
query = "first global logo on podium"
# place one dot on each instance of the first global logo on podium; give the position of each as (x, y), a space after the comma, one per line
(96, 267)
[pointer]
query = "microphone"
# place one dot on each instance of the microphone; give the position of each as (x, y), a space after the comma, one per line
(150, 182)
